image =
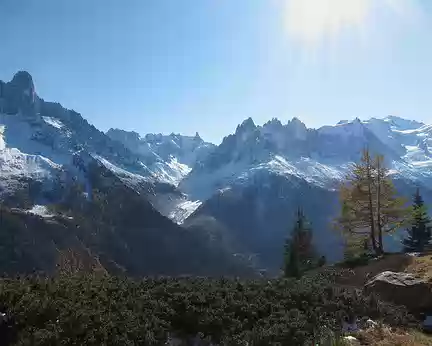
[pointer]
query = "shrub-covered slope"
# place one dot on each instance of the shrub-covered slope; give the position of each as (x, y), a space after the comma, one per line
(103, 310)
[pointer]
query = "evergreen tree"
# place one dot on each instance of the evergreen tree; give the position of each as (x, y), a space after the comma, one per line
(292, 261)
(370, 206)
(419, 234)
(299, 254)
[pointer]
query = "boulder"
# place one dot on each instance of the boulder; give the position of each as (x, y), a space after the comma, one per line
(401, 289)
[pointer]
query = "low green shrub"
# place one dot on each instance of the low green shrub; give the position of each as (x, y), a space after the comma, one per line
(104, 310)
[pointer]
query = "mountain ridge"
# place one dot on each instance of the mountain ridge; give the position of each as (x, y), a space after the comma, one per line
(251, 181)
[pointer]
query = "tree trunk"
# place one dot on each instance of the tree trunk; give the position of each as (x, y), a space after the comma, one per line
(372, 222)
(371, 214)
(378, 201)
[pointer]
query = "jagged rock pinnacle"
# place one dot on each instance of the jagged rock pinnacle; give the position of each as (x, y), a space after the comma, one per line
(24, 81)
(246, 125)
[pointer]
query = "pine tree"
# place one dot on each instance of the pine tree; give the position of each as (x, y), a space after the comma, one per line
(419, 235)
(299, 254)
(369, 203)
(292, 261)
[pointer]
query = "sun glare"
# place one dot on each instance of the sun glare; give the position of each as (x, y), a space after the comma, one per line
(312, 21)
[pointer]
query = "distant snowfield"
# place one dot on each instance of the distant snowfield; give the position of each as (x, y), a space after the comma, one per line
(171, 172)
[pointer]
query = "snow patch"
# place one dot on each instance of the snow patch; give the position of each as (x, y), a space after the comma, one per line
(423, 164)
(411, 148)
(131, 179)
(15, 163)
(406, 132)
(203, 184)
(310, 170)
(2, 141)
(40, 210)
(183, 210)
(171, 172)
(53, 122)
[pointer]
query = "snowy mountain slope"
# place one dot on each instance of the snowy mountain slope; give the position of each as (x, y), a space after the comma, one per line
(169, 157)
(183, 210)
(38, 139)
(413, 141)
(320, 157)
(16, 165)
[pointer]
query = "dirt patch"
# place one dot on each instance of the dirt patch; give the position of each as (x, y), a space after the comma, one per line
(385, 336)
(421, 267)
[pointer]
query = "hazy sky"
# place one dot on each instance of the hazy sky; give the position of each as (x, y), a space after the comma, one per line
(205, 65)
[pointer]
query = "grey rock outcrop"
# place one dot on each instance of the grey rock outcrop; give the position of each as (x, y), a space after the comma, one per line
(402, 289)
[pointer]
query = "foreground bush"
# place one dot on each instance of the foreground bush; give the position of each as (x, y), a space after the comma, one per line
(103, 310)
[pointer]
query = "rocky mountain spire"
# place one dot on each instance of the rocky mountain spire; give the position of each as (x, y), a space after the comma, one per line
(19, 95)
(246, 126)
(23, 80)
(298, 128)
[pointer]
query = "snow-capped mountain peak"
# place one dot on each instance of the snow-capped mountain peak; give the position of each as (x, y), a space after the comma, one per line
(402, 124)
(344, 129)
(326, 152)
(170, 157)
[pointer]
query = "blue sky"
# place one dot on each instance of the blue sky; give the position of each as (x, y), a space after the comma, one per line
(206, 65)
